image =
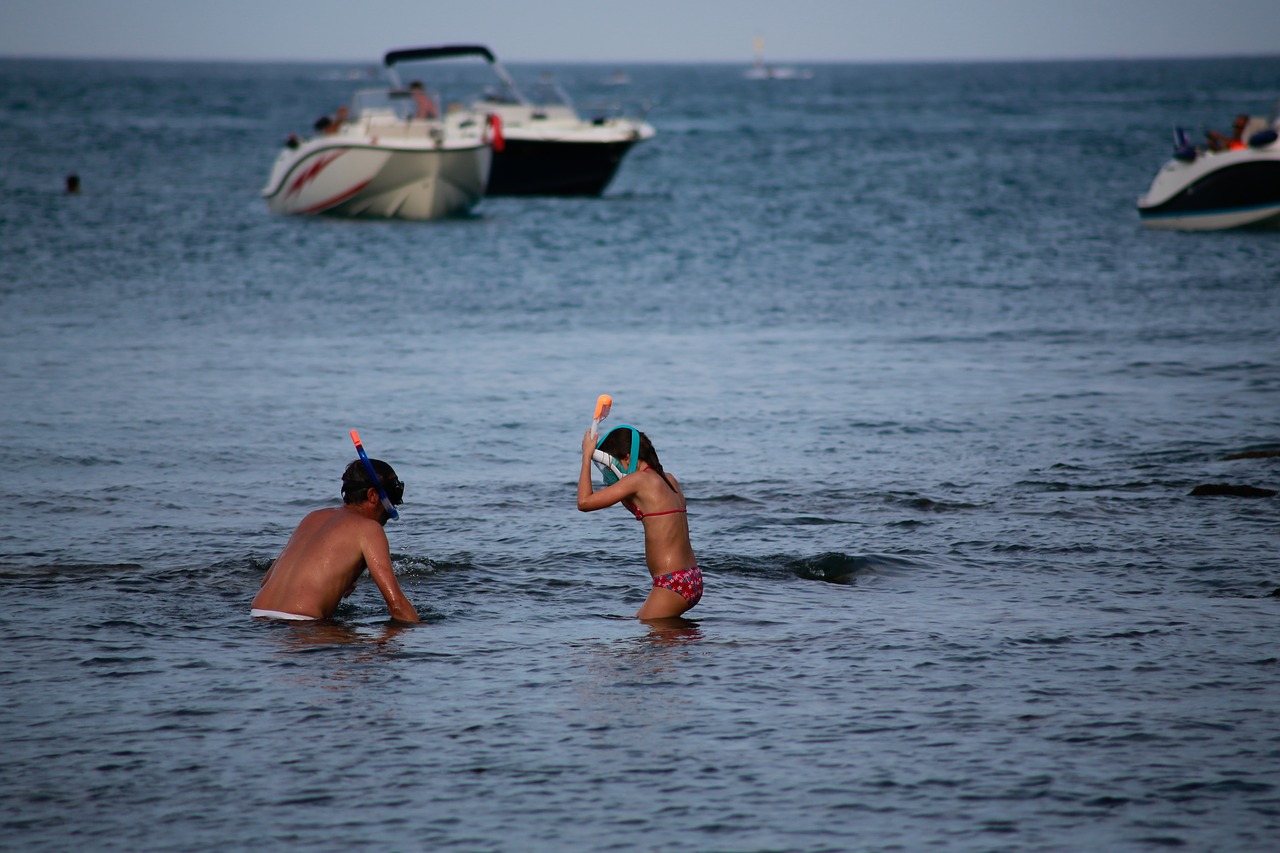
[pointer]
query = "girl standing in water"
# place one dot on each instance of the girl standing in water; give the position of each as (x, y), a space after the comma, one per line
(634, 478)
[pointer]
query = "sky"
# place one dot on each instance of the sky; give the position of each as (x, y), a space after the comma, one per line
(642, 31)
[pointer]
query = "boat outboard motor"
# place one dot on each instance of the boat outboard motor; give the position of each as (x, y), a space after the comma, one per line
(1183, 149)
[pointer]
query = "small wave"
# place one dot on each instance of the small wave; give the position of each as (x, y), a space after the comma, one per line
(1175, 369)
(924, 504)
(10, 571)
(810, 521)
(1107, 802)
(1040, 641)
(1254, 451)
(423, 567)
(1060, 486)
(1233, 490)
(83, 461)
(830, 567)
(726, 499)
(1223, 786)
(1134, 634)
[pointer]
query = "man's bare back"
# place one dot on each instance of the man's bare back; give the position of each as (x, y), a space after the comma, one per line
(324, 557)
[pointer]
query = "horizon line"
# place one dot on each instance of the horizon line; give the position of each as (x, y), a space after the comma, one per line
(747, 62)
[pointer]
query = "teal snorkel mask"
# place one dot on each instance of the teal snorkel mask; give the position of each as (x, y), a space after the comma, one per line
(611, 469)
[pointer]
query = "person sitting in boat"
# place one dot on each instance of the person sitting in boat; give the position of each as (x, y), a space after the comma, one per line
(1235, 142)
(426, 107)
(329, 125)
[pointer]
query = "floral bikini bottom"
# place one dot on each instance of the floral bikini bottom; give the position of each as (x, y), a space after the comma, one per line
(686, 582)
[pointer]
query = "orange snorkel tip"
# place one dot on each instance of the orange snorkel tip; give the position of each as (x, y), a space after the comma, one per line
(603, 403)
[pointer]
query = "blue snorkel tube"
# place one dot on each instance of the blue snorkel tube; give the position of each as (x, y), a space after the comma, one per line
(368, 466)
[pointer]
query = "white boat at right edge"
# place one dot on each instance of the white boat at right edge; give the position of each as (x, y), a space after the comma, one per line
(1204, 190)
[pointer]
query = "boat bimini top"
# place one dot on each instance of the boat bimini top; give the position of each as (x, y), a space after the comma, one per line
(448, 51)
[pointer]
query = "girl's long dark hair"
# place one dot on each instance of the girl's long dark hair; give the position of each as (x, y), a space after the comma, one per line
(618, 444)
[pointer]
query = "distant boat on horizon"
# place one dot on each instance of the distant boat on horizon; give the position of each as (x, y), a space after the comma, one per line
(759, 70)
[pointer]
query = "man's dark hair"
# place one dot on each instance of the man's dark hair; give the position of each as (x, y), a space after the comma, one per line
(356, 482)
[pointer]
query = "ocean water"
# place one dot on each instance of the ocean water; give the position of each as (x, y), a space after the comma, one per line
(937, 400)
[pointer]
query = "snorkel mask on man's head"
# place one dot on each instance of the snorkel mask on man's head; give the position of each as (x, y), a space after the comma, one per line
(611, 468)
(363, 474)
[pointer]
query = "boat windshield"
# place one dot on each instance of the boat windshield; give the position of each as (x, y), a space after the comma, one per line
(465, 70)
(548, 93)
(500, 94)
(462, 76)
(404, 104)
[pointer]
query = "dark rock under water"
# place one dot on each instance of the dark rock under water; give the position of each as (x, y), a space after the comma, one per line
(1252, 454)
(1231, 490)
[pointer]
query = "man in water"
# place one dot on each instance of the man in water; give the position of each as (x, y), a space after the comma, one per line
(331, 547)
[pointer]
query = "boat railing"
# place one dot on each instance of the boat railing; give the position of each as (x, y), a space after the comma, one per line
(601, 111)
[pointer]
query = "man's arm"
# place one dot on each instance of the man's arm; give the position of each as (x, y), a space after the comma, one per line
(377, 556)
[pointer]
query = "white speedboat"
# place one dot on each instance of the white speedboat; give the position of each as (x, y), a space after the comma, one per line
(548, 147)
(1203, 190)
(395, 155)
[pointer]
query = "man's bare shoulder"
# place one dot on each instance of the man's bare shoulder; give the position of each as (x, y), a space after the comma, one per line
(338, 523)
(319, 519)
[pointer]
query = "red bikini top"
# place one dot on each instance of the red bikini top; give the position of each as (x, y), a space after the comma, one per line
(641, 516)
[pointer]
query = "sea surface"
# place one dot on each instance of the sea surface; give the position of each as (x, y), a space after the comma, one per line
(937, 399)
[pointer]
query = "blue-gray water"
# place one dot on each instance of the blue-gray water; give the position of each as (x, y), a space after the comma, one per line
(937, 400)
